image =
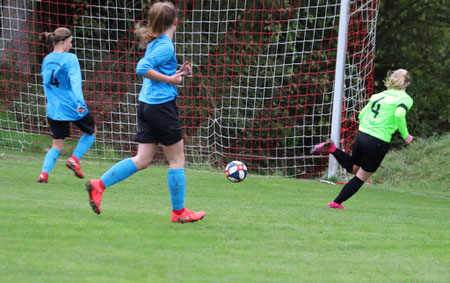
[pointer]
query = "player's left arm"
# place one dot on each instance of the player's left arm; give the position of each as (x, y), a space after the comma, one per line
(76, 83)
(400, 120)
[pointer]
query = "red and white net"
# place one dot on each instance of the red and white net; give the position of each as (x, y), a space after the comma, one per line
(261, 90)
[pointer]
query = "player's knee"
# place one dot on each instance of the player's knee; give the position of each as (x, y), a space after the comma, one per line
(58, 144)
(176, 164)
(141, 163)
(354, 170)
(350, 168)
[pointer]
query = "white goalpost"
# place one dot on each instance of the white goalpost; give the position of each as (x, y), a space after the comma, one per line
(339, 83)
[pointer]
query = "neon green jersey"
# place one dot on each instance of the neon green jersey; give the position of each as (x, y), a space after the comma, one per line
(385, 113)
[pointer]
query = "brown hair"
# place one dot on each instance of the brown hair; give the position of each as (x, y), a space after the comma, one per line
(398, 79)
(162, 16)
(51, 38)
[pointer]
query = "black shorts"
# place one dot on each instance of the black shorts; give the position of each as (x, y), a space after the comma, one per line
(61, 129)
(158, 123)
(368, 152)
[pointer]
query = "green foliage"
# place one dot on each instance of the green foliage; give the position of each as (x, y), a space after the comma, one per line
(414, 35)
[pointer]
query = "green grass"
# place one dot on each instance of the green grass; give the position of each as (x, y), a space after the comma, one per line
(422, 167)
(24, 141)
(260, 230)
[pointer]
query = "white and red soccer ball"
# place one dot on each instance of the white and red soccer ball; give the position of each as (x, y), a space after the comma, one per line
(236, 171)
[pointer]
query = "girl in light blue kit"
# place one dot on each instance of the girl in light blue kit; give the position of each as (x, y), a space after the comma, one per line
(61, 76)
(158, 121)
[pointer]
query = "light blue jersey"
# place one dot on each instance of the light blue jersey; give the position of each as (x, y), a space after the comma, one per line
(61, 76)
(159, 56)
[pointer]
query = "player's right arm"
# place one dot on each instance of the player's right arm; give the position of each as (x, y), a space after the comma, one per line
(152, 59)
(157, 76)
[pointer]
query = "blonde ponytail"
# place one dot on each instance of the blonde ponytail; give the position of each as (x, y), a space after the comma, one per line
(398, 79)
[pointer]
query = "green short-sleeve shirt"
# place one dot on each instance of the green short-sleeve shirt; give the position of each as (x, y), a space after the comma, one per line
(378, 116)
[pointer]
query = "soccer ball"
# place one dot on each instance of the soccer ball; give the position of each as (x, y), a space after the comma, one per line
(236, 171)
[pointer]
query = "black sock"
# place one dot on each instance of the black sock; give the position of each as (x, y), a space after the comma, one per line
(349, 190)
(344, 159)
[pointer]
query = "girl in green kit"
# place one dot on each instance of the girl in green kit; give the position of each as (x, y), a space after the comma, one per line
(378, 121)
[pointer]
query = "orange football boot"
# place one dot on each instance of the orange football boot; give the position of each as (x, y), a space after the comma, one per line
(187, 216)
(73, 164)
(95, 189)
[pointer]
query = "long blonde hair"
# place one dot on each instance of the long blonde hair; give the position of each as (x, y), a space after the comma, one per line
(51, 38)
(162, 16)
(398, 79)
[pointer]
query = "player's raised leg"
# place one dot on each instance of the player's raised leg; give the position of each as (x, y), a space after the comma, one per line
(343, 158)
(119, 172)
(87, 125)
(326, 147)
(83, 146)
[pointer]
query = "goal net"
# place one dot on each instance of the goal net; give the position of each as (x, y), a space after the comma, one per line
(261, 90)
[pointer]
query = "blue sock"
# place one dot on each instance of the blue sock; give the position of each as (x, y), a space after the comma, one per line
(50, 159)
(84, 144)
(176, 180)
(119, 172)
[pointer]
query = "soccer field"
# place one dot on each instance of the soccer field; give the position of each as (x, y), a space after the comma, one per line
(260, 230)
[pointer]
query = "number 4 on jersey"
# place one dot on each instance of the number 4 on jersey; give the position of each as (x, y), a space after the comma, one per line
(376, 107)
(53, 80)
